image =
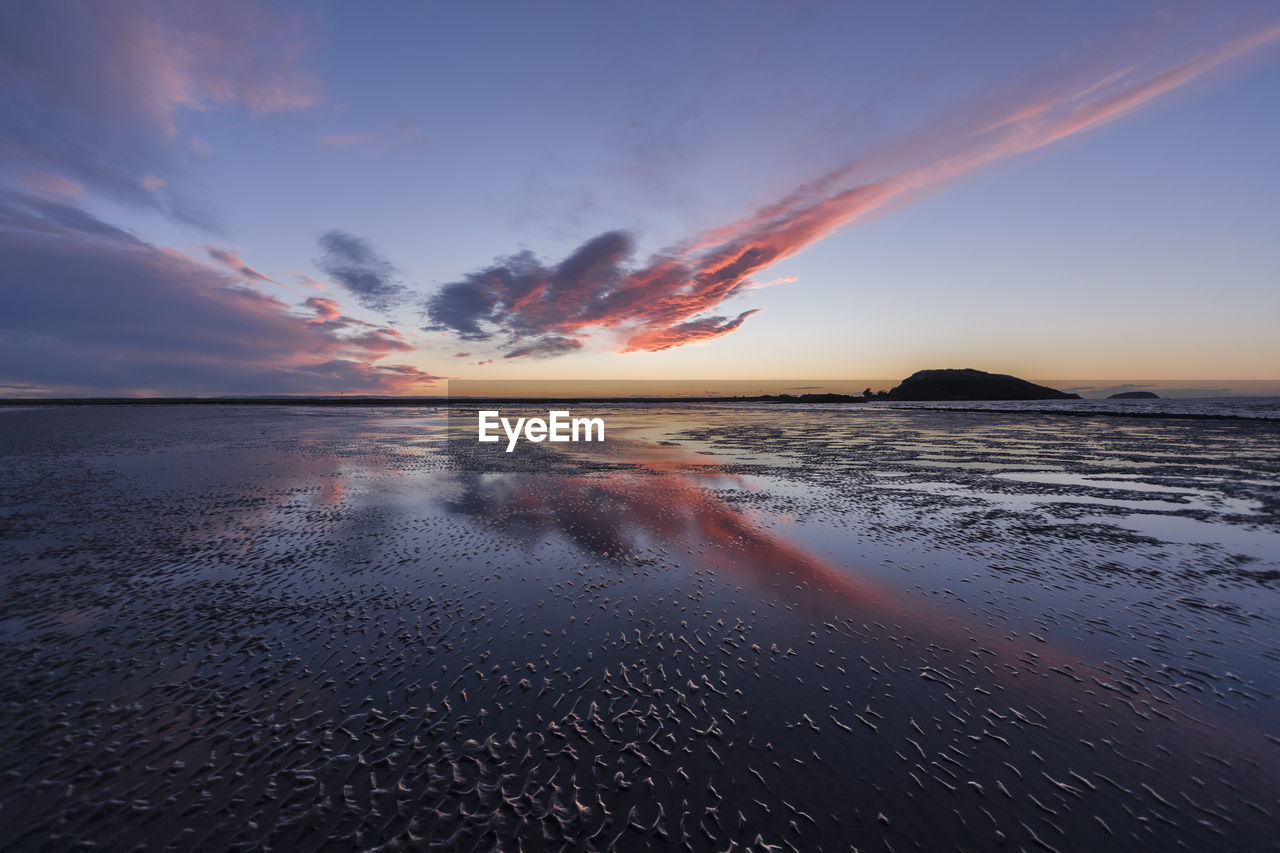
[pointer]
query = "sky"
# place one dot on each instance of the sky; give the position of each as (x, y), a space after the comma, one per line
(269, 198)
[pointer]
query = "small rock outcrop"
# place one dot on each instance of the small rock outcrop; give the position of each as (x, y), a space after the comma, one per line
(969, 384)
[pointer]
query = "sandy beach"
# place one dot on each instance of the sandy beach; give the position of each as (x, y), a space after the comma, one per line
(769, 627)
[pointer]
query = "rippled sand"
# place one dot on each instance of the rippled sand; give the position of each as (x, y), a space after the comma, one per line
(762, 627)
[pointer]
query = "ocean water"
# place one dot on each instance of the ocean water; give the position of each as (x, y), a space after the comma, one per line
(809, 628)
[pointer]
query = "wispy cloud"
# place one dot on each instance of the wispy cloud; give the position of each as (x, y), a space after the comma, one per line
(701, 330)
(370, 339)
(667, 301)
(199, 149)
(545, 347)
(50, 186)
(402, 133)
(229, 257)
(92, 91)
(308, 281)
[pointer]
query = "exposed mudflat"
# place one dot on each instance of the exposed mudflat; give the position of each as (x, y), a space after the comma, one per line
(759, 627)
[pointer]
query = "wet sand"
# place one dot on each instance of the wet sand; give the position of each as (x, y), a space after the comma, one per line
(233, 627)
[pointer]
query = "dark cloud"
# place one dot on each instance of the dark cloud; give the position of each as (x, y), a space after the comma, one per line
(520, 296)
(358, 268)
(547, 347)
(657, 306)
(25, 213)
(88, 308)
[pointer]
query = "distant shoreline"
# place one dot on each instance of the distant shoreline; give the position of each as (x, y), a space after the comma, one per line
(807, 399)
(543, 402)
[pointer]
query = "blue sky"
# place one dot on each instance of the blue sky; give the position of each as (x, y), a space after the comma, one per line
(321, 198)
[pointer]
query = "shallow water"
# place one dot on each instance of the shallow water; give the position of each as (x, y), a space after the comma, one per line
(810, 628)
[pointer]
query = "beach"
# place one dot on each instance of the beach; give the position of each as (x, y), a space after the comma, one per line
(769, 626)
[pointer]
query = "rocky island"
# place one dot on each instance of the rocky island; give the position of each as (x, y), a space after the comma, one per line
(970, 384)
(1135, 395)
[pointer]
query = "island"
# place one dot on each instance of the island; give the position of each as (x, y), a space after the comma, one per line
(1135, 395)
(970, 384)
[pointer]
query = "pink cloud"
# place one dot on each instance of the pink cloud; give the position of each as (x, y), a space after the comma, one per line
(666, 302)
(326, 309)
(705, 329)
(368, 339)
(400, 134)
(230, 258)
(307, 281)
(51, 186)
(180, 55)
(102, 87)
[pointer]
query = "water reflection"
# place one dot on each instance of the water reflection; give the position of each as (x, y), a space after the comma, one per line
(308, 633)
(673, 514)
(616, 515)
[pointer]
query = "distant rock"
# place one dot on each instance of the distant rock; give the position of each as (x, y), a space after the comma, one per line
(969, 384)
(1135, 395)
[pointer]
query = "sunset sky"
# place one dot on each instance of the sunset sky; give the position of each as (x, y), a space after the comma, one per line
(262, 198)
